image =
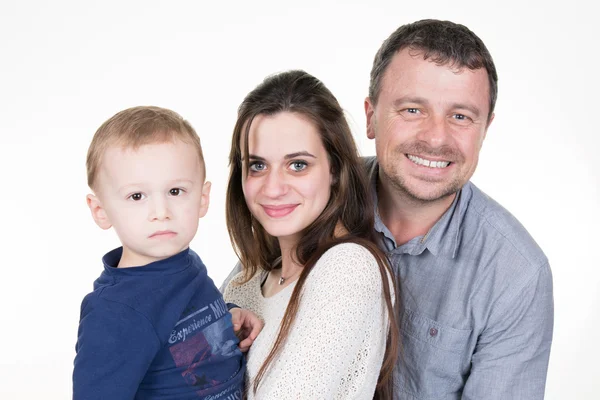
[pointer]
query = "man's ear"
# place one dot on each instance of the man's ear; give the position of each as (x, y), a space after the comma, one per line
(370, 114)
(204, 202)
(98, 212)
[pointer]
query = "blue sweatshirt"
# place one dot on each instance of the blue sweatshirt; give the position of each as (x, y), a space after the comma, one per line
(160, 331)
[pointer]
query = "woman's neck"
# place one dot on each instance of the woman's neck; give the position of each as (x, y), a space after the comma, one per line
(280, 278)
(289, 263)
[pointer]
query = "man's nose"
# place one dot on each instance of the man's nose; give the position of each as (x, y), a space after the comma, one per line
(435, 132)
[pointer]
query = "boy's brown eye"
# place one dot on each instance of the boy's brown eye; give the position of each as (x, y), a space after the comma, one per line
(175, 192)
(136, 196)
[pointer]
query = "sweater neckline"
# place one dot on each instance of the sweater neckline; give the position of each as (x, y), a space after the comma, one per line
(262, 275)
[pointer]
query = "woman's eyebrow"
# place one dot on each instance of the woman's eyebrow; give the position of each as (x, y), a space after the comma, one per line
(298, 154)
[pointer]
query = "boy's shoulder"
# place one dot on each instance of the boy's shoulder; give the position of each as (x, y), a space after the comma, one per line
(161, 296)
(111, 296)
(139, 287)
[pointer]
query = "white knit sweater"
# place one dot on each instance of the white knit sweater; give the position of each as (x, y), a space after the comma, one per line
(336, 345)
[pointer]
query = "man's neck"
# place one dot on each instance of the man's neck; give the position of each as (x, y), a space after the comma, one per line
(406, 217)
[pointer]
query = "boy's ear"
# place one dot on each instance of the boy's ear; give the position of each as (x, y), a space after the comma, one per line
(98, 212)
(205, 199)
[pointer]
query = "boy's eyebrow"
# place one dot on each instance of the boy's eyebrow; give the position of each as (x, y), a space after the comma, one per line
(287, 156)
(180, 181)
(171, 183)
(130, 185)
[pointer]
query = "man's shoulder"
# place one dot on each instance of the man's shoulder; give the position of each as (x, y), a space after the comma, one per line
(503, 226)
(369, 162)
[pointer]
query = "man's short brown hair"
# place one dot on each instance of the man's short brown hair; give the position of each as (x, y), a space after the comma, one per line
(444, 43)
(138, 126)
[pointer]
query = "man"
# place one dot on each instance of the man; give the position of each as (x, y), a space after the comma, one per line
(476, 290)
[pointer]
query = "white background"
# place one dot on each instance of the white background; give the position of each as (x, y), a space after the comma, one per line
(66, 66)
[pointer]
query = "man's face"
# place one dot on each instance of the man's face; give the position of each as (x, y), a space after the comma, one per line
(429, 124)
(153, 197)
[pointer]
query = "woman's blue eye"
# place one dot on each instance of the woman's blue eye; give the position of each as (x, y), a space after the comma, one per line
(257, 166)
(298, 165)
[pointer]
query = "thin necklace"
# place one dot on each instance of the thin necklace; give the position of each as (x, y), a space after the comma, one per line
(282, 279)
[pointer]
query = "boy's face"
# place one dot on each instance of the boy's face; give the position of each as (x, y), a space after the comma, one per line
(153, 197)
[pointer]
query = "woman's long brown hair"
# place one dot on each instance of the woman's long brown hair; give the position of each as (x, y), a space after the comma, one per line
(350, 203)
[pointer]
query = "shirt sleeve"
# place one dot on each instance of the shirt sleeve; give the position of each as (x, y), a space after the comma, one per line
(339, 336)
(511, 357)
(115, 347)
(236, 270)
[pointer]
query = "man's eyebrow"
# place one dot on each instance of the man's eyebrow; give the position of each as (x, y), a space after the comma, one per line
(410, 99)
(468, 107)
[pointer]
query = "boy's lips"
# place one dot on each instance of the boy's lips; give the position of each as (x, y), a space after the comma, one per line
(162, 235)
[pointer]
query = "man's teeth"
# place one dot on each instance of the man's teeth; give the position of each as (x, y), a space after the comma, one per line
(427, 163)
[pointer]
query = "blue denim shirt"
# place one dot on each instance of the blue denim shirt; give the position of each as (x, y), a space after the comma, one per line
(478, 306)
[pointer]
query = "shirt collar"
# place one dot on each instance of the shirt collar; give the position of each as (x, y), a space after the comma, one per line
(443, 239)
(170, 265)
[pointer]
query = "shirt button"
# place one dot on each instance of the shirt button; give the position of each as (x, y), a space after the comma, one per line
(433, 332)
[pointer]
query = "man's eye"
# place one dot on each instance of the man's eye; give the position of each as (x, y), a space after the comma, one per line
(137, 196)
(176, 192)
(410, 112)
(257, 166)
(460, 117)
(298, 165)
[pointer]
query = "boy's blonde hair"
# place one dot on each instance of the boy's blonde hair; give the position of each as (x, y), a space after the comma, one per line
(138, 126)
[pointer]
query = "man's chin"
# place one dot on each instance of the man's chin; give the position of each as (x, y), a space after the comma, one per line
(430, 192)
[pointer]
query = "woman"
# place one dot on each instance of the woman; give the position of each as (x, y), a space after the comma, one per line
(300, 217)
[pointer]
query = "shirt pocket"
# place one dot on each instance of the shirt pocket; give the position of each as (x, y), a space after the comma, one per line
(434, 359)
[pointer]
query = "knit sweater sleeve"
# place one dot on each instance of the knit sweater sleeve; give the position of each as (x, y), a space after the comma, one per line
(115, 347)
(336, 345)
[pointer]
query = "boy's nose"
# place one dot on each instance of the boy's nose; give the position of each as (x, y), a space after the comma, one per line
(159, 210)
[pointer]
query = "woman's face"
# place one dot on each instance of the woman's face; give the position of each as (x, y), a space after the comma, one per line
(288, 182)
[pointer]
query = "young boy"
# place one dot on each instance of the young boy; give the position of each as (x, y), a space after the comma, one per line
(155, 326)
